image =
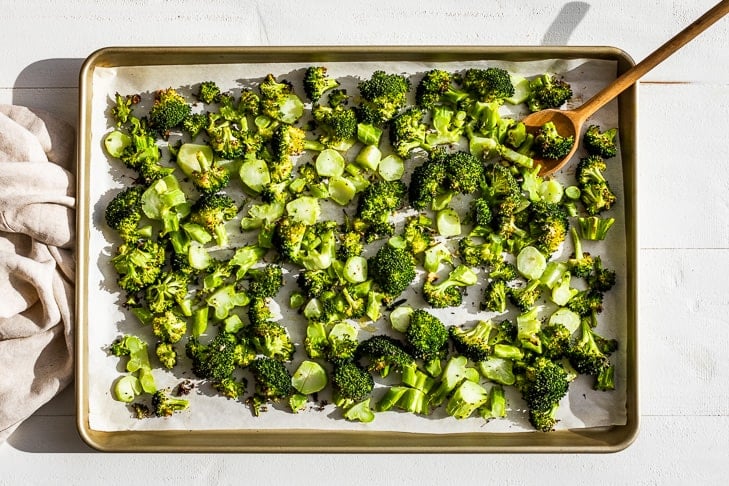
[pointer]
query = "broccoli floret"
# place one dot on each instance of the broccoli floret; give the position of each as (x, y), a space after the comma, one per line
(581, 263)
(317, 81)
(377, 203)
(167, 354)
(418, 233)
(124, 212)
(548, 91)
(548, 226)
(314, 283)
(392, 269)
(481, 213)
(427, 336)
(597, 197)
(495, 296)
(164, 405)
(605, 380)
(272, 340)
(342, 338)
(601, 143)
(431, 88)
(350, 244)
(266, 281)
(543, 384)
(338, 126)
(169, 327)
(383, 95)
(448, 126)
(472, 343)
(211, 177)
(407, 131)
(585, 302)
(169, 289)
(526, 297)
(490, 84)
(499, 182)
(228, 141)
(351, 382)
(473, 254)
(272, 382)
(194, 124)
(548, 143)
(122, 109)
(138, 264)
(278, 100)
(601, 279)
(448, 292)
(427, 181)
(590, 353)
(505, 271)
(212, 211)
(590, 170)
(464, 172)
(288, 141)
(143, 154)
(544, 420)
(594, 227)
(383, 354)
(555, 339)
(455, 371)
(168, 110)
(208, 92)
(287, 237)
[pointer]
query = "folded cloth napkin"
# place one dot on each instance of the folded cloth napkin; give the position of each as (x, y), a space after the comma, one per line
(37, 238)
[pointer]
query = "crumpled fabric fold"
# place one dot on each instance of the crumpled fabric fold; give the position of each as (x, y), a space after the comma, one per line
(37, 261)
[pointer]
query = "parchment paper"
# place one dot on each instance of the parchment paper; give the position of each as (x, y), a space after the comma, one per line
(583, 407)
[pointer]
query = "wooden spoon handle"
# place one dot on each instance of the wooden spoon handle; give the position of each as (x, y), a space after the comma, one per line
(659, 55)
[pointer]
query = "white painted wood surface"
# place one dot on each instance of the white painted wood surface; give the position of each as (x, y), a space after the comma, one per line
(683, 209)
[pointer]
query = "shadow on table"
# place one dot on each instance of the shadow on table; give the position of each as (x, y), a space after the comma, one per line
(50, 85)
(564, 24)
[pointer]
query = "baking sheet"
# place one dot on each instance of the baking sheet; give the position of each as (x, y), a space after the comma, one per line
(582, 408)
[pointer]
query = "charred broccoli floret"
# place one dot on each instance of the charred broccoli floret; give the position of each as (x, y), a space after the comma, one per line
(351, 383)
(543, 384)
(169, 327)
(590, 353)
(427, 336)
(338, 125)
(265, 282)
(164, 404)
(601, 143)
(124, 212)
(272, 382)
(212, 211)
(138, 264)
(431, 88)
(548, 91)
(496, 296)
(279, 101)
(448, 292)
(377, 203)
(473, 343)
(208, 92)
(408, 132)
(490, 84)
(383, 354)
(548, 143)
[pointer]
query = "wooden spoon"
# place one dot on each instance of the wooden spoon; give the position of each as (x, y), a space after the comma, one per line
(569, 122)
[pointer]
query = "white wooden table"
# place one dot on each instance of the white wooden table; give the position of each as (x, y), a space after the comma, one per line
(683, 210)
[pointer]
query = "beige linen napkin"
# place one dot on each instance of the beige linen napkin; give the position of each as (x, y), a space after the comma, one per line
(37, 232)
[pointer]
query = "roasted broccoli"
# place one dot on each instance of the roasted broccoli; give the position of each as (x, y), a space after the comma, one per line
(590, 353)
(338, 126)
(543, 384)
(496, 296)
(317, 81)
(168, 111)
(431, 88)
(124, 212)
(272, 382)
(489, 84)
(383, 96)
(548, 91)
(164, 404)
(279, 101)
(351, 382)
(208, 92)
(377, 203)
(473, 343)
(601, 143)
(408, 132)
(427, 337)
(138, 264)
(212, 211)
(383, 354)
(392, 269)
(548, 143)
(595, 191)
(449, 291)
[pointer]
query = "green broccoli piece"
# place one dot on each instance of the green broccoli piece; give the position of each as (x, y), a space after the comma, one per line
(383, 95)
(124, 212)
(526, 297)
(122, 109)
(351, 382)
(499, 183)
(169, 289)
(448, 292)
(418, 233)
(581, 262)
(487, 253)
(317, 81)
(455, 371)
(408, 132)
(164, 405)
(590, 170)
(594, 228)
(548, 143)
(266, 281)
(601, 279)
(543, 384)
(288, 141)
(597, 198)
(444, 174)
(272, 382)
(585, 302)
(392, 269)
(496, 296)
(502, 270)
(230, 387)
(211, 177)
(487, 85)
(314, 283)
(143, 154)
(195, 124)
(589, 354)
(464, 172)
(601, 143)
(426, 182)
(278, 100)
(548, 91)
(427, 337)
(208, 92)
(473, 343)
(605, 380)
(227, 140)
(288, 235)
(168, 110)
(338, 126)
(383, 354)
(377, 203)
(212, 211)
(342, 338)
(350, 244)
(167, 354)
(272, 340)
(138, 264)
(169, 327)
(448, 126)
(548, 226)
(468, 397)
(544, 420)
(431, 88)
(555, 339)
